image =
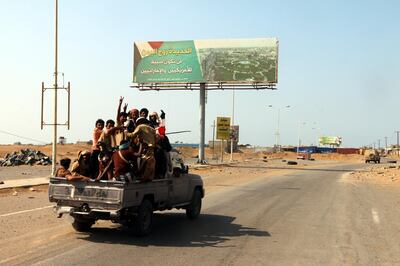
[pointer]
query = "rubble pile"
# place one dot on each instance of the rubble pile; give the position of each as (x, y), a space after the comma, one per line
(27, 157)
(389, 174)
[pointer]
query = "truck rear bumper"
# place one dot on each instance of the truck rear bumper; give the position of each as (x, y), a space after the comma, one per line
(93, 213)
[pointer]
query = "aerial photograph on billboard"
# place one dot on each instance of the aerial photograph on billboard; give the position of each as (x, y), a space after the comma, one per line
(252, 60)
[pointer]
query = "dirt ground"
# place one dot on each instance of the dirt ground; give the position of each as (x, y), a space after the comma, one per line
(383, 174)
(71, 150)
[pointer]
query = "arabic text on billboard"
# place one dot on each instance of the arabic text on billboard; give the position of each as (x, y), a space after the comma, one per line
(209, 61)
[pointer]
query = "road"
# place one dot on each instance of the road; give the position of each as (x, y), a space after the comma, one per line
(301, 217)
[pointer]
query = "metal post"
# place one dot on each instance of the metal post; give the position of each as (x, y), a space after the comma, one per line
(386, 138)
(202, 121)
(233, 121)
(379, 144)
(41, 111)
(54, 150)
(277, 131)
(69, 105)
(213, 140)
(222, 150)
(298, 139)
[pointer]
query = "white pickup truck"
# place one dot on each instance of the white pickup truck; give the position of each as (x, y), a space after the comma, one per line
(128, 203)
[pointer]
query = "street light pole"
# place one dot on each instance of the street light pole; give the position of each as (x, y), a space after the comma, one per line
(277, 133)
(316, 128)
(277, 130)
(299, 140)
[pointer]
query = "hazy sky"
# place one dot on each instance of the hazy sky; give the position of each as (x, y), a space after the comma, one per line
(339, 66)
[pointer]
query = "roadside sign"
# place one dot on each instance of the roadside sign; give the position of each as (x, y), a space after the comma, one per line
(223, 127)
(235, 133)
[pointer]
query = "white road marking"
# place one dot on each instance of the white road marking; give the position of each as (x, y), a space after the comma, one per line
(25, 211)
(375, 216)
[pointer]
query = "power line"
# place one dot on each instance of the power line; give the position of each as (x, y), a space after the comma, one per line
(26, 138)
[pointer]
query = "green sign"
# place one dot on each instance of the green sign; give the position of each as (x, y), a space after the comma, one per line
(209, 61)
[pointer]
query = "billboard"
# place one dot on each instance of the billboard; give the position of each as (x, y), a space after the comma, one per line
(208, 61)
(234, 133)
(223, 128)
(330, 140)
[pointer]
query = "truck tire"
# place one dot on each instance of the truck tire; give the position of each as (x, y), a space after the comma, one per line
(193, 210)
(143, 222)
(82, 225)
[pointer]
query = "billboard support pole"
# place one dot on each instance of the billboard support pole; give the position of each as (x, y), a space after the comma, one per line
(202, 122)
(233, 122)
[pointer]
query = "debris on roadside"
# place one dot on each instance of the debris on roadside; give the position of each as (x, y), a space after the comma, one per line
(292, 163)
(382, 175)
(15, 193)
(1, 182)
(25, 157)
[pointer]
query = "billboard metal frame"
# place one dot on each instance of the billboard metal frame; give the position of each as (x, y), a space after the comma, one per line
(202, 87)
(209, 86)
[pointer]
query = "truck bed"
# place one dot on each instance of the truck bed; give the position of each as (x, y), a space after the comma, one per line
(115, 195)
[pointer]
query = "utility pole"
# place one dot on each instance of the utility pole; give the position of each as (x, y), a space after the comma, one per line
(379, 144)
(277, 133)
(386, 138)
(397, 132)
(54, 149)
(55, 87)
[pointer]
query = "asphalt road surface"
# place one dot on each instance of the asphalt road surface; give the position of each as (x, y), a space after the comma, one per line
(304, 217)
